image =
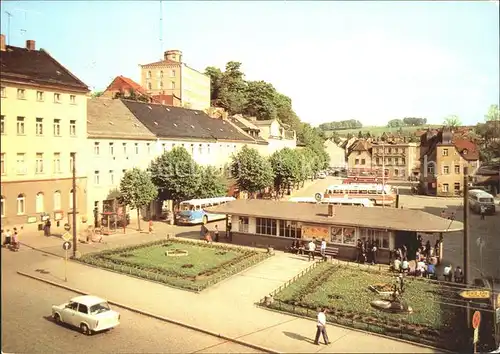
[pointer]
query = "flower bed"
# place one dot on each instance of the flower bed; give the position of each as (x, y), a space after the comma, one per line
(202, 266)
(345, 291)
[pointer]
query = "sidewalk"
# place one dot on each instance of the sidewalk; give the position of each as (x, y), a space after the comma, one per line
(226, 308)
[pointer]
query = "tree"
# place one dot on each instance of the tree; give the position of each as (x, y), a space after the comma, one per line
(261, 100)
(285, 168)
(96, 94)
(335, 137)
(212, 184)
(251, 171)
(452, 121)
(493, 113)
(228, 88)
(176, 175)
(133, 95)
(360, 135)
(395, 123)
(137, 190)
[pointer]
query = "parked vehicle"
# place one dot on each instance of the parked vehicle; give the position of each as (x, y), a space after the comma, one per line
(334, 201)
(89, 313)
(192, 211)
(321, 175)
(479, 198)
(377, 193)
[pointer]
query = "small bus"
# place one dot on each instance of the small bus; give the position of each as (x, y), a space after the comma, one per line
(378, 194)
(478, 198)
(192, 211)
(334, 201)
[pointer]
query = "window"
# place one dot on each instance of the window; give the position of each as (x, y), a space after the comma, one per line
(2, 206)
(172, 85)
(200, 149)
(160, 85)
(396, 172)
(149, 86)
(72, 99)
(456, 187)
(39, 126)
(57, 97)
(136, 148)
(20, 125)
(83, 308)
(161, 74)
(148, 145)
(208, 149)
(445, 152)
(356, 162)
(57, 200)
(192, 149)
(446, 170)
(148, 75)
(57, 127)
(266, 226)
(20, 94)
(21, 204)
(72, 127)
(125, 148)
(403, 161)
(3, 92)
(20, 164)
(377, 161)
(57, 162)
(111, 177)
(380, 238)
(363, 161)
(243, 224)
(96, 148)
(39, 162)
(2, 124)
(430, 169)
(172, 73)
(39, 96)
(457, 169)
(445, 188)
(71, 199)
(96, 177)
(111, 149)
(3, 163)
(290, 229)
(39, 203)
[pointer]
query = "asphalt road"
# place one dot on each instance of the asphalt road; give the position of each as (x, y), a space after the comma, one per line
(28, 328)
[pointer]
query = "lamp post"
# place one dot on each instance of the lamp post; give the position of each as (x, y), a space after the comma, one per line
(73, 157)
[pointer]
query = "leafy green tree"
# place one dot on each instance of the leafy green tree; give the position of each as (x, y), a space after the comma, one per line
(493, 113)
(251, 170)
(213, 184)
(395, 123)
(96, 94)
(360, 135)
(452, 121)
(286, 169)
(176, 175)
(137, 190)
(261, 100)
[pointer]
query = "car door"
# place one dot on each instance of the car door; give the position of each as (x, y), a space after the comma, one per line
(83, 315)
(69, 313)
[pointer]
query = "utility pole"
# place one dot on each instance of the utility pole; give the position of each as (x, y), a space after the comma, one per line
(383, 175)
(9, 15)
(161, 29)
(466, 226)
(73, 156)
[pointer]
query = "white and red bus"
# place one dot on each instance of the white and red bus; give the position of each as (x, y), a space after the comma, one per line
(377, 193)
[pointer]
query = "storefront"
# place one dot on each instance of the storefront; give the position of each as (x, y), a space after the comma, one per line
(269, 223)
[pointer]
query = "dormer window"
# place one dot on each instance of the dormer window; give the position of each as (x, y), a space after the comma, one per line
(464, 151)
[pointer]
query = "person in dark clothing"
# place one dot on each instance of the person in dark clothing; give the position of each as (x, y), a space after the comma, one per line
(216, 234)
(482, 211)
(405, 252)
(359, 247)
(46, 227)
(427, 249)
(363, 253)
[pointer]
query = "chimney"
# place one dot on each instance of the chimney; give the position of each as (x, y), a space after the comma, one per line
(331, 210)
(30, 44)
(2, 42)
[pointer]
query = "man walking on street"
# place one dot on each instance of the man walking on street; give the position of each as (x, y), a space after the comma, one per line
(321, 327)
(312, 248)
(482, 210)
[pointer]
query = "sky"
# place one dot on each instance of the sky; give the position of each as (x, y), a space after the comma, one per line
(366, 60)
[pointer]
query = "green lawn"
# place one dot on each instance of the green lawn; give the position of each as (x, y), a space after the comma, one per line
(378, 130)
(203, 266)
(344, 290)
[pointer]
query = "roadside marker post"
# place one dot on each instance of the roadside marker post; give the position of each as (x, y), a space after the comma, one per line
(66, 246)
(476, 321)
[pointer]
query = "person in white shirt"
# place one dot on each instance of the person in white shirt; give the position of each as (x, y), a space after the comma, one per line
(321, 327)
(397, 265)
(323, 249)
(420, 268)
(447, 272)
(312, 248)
(405, 266)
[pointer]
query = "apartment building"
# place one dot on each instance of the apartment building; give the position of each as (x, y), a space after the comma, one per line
(359, 156)
(444, 155)
(173, 77)
(398, 159)
(336, 154)
(43, 120)
(277, 134)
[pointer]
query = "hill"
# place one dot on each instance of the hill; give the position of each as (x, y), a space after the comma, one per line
(378, 130)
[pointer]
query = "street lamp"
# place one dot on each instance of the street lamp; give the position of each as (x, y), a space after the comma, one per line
(73, 157)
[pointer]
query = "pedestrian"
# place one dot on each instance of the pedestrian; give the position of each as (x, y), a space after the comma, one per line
(401, 283)
(321, 327)
(359, 247)
(46, 227)
(448, 273)
(323, 249)
(150, 224)
(216, 234)
(482, 210)
(428, 247)
(311, 248)
(374, 252)
(405, 251)
(8, 238)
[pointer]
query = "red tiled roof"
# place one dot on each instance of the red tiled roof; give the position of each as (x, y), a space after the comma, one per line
(472, 151)
(162, 63)
(121, 83)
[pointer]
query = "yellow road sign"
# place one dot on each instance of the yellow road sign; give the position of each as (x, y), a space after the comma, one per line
(66, 236)
(475, 294)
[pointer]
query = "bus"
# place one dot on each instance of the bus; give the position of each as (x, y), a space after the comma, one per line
(192, 211)
(478, 198)
(378, 194)
(335, 201)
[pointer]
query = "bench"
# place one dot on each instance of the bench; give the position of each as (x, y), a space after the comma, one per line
(331, 252)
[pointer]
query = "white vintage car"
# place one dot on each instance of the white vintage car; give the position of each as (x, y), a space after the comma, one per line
(89, 313)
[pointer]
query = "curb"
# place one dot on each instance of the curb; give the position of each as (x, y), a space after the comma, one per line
(161, 318)
(439, 350)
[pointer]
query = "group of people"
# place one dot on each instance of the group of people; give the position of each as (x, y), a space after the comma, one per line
(367, 251)
(206, 235)
(11, 240)
(299, 247)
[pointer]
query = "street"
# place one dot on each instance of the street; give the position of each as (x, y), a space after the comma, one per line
(28, 328)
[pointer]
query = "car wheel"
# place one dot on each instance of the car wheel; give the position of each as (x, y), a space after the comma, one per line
(85, 329)
(205, 219)
(57, 318)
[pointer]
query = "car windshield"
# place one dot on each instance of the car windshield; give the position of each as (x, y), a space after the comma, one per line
(486, 200)
(99, 308)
